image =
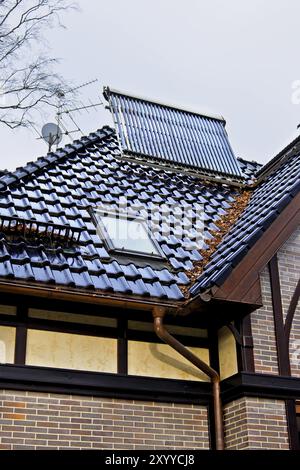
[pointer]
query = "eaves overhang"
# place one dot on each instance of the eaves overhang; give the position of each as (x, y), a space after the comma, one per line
(82, 296)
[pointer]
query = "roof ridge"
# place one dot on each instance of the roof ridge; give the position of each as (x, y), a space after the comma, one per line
(279, 159)
(42, 162)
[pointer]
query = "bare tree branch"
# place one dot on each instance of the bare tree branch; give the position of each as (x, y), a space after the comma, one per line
(28, 84)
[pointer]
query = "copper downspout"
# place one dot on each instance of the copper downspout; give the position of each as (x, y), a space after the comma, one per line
(164, 335)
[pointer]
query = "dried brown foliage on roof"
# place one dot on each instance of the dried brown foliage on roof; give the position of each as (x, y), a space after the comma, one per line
(224, 224)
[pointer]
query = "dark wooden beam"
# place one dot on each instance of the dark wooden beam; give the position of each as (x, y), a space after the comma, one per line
(291, 312)
(260, 385)
(247, 347)
(44, 379)
(282, 351)
(213, 346)
(292, 424)
(21, 334)
(122, 346)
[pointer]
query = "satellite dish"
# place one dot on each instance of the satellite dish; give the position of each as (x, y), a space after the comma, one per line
(52, 134)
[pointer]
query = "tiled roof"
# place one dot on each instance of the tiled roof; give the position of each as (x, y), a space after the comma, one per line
(59, 190)
(61, 187)
(249, 169)
(268, 200)
(166, 133)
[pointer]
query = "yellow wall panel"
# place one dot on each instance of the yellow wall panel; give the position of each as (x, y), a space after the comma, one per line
(160, 360)
(7, 344)
(227, 353)
(70, 351)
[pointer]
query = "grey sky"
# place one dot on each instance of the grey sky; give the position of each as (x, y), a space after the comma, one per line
(237, 58)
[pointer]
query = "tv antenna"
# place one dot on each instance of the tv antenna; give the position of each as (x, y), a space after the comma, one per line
(51, 134)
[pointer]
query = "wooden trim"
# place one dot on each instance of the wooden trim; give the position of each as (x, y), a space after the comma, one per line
(282, 351)
(21, 335)
(213, 345)
(20, 345)
(291, 312)
(96, 309)
(44, 379)
(253, 294)
(247, 347)
(92, 297)
(50, 380)
(246, 273)
(122, 346)
(260, 385)
(292, 424)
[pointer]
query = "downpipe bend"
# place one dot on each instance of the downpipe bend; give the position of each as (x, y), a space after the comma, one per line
(166, 337)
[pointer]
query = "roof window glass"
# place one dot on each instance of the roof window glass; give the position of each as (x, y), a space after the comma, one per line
(127, 234)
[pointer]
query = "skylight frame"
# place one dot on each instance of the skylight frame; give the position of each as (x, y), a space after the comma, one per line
(98, 213)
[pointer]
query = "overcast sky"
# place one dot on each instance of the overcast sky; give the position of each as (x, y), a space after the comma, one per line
(236, 58)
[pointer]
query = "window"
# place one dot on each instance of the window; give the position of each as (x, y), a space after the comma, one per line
(127, 235)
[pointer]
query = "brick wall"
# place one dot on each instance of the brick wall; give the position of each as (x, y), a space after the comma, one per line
(262, 322)
(255, 423)
(265, 355)
(289, 268)
(31, 420)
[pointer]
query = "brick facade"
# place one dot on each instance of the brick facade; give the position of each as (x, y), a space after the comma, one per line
(255, 423)
(262, 322)
(289, 266)
(31, 420)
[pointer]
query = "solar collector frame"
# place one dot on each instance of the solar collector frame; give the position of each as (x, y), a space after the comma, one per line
(166, 133)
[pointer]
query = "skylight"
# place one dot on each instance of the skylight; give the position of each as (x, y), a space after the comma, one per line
(127, 235)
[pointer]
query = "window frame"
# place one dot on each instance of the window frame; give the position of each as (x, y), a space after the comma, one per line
(97, 214)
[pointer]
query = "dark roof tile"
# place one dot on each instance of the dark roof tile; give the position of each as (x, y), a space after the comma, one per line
(268, 200)
(62, 186)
